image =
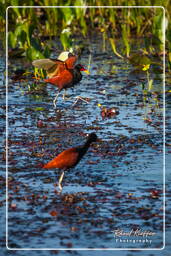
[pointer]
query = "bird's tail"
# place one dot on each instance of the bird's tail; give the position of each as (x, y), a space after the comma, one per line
(45, 166)
(47, 80)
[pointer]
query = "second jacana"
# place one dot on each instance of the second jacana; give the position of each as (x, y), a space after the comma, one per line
(69, 158)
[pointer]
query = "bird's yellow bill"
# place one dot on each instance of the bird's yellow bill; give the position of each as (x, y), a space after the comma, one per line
(87, 71)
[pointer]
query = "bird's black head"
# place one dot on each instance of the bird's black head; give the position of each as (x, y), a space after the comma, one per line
(92, 137)
(81, 68)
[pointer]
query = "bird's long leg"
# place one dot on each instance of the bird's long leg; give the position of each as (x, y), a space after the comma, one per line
(89, 61)
(60, 181)
(79, 98)
(64, 95)
(55, 99)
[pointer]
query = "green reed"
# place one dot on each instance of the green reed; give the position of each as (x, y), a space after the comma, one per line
(29, 26)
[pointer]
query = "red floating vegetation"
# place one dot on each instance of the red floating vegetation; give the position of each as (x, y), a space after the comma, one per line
(118, 195)
(74, 229)
(54, 213)
(132, 141)
(109, 112)
(40, 124)
(93, 162)
(119, 153)
(148, 120)
(13, 206)
(44, 197)
(154, 194)
(69, 245)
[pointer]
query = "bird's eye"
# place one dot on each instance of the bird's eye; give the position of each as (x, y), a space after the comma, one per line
(70, 54)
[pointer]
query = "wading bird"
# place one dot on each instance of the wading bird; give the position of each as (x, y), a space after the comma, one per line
(63, 72)
(69, 158)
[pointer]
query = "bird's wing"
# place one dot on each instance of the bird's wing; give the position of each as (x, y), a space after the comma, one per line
(53, 67)
(63, 55)
(65, 160)
(63, 80)
(70, 62)
(62, 66)
(44, 63)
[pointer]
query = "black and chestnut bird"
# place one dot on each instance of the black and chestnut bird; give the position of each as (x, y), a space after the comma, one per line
(69, 158)
(62, 72)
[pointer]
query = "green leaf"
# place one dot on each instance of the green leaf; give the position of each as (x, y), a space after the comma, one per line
(113, 45)
(46, 52)
(16, 10)
(30, 29)
(67, 15)
(125, 36)
(19, 28)
(2, 10)
(35, 43)
(65, 39)
(12, 39)
(22, 37)
(150, 84)
(39, 109)
(83, 25)
(139, 60)
(32, 54)
(158, 30)
(80, 12)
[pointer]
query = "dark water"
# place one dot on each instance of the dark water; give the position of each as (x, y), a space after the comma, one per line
(117, 185)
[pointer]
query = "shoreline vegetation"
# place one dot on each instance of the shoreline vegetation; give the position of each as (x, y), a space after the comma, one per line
(31, 29)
